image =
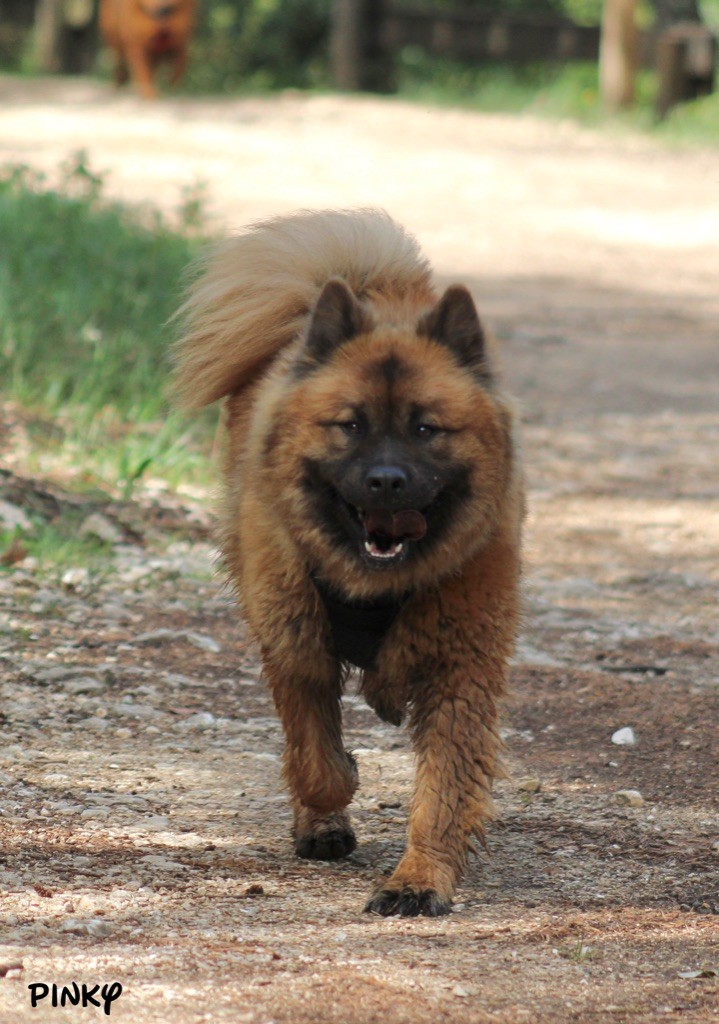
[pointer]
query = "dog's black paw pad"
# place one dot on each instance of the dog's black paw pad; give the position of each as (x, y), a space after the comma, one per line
(407, 902)
(332, 845)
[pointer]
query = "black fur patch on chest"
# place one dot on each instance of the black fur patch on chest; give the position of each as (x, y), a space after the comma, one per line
(359, 627)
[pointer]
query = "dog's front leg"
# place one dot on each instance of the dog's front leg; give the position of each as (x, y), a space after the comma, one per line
(141, 71)
(321, 775)
(455, 739)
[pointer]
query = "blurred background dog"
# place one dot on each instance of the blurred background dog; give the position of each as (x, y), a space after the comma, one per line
(144, 33)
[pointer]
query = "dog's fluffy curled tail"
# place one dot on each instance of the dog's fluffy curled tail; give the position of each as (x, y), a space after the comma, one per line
(255, 292)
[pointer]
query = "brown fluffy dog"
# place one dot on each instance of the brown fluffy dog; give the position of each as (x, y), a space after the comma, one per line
(372, 512)
(145, 32)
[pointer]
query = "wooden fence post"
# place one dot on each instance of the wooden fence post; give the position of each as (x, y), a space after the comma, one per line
(618, 54)
(48, 28)
(357, 58)
(65, 36)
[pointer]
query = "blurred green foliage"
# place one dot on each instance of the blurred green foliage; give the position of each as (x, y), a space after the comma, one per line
(586, 12)
(266, 44)
(260, 44)
(269, 44)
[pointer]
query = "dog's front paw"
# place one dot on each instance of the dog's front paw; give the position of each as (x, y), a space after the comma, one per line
(408, 902)
(330, 845)
(323, 836)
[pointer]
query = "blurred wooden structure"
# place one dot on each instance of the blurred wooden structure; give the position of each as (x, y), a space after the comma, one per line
(367, 34)
(66, 39)
(618, 54)
(686, 63)
(684, 54)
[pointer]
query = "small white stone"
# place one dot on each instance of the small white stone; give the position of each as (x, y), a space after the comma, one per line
(98, 526)
(199, 722)
(624, 737)
(629, 797)
(98, 929)
(529, 785)
(76, 577)
(156, 823)
(96, 724)
(100, 813)
(160, 637)
(12, 517)
(204, 642)
(83, 684)
(157, 861)
(74, 926)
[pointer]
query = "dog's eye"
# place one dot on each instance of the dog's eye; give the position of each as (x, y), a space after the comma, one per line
(425, 430)
(351, 427)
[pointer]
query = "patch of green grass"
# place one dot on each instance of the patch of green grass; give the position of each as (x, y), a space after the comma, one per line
(578, 952)
(57, 545)
(695, 122)
(86, 290)
(556, 90)
(126, 453)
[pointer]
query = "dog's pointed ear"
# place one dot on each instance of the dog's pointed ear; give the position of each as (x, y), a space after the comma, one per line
(336, 318)
(454, 322)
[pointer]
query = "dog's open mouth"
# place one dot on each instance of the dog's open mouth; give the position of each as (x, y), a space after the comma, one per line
(387, 533)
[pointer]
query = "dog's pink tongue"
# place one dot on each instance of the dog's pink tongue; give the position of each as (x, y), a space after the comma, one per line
(409, 523)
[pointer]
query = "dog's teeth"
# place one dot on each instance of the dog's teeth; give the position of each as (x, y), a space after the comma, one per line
(376, 553)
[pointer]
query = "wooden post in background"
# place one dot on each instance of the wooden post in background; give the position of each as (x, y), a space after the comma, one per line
(357, 58)
(65, 38)
(48, 31)
(618, 54)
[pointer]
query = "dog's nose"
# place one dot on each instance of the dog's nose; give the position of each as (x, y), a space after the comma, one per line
(385, 484)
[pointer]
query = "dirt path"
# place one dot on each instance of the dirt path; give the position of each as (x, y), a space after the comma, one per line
(143, 823)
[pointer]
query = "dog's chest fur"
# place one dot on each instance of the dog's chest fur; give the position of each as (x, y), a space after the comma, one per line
(359, 627)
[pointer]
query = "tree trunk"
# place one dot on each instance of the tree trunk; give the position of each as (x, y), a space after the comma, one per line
(65, 36)
(618, 54)
(48, 35)
(357, 59)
